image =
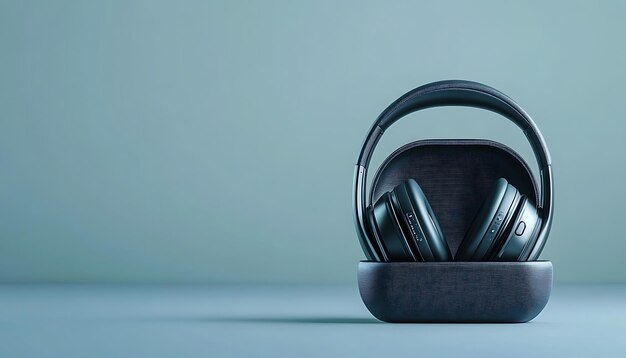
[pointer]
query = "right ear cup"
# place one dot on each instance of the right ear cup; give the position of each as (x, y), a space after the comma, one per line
(406, 227)
(491, 223)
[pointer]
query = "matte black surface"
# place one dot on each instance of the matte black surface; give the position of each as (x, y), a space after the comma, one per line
(455, 291)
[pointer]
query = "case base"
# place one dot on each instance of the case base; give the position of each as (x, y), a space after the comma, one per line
(455, 291)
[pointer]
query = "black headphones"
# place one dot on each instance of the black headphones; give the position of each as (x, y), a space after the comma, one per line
(401, 225)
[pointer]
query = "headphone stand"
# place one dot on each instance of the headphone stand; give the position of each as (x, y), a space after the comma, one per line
(455, 291)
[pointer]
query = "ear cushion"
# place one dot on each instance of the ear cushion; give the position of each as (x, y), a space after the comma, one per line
(494, 216)
(420, 224)
(388, 230)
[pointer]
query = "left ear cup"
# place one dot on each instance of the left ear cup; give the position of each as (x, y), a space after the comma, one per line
(406, 225)
(388, 230)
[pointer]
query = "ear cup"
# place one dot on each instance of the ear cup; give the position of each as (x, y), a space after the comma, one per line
(515, 244)
(489, 236)
(417, 235)
(489, 221)
(421, 222)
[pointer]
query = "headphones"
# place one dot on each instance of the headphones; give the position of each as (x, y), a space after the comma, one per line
(401, 225)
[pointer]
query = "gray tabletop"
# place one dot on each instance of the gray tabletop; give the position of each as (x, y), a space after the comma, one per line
(275, 321)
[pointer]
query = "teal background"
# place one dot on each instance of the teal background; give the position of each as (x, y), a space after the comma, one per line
(215, 142)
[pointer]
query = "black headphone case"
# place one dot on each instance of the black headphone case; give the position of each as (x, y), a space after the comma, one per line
(455, 176)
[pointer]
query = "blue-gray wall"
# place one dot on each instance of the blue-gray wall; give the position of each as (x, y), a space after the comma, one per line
(214, 142)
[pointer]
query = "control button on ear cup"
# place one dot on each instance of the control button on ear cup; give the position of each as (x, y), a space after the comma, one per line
(533, 235)
(516, 242)
(489, 211)
(433, 246)
(391, 236)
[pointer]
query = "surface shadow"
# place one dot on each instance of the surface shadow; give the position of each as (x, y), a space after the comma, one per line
(320, 320)
(271, 320)
(310, 320)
